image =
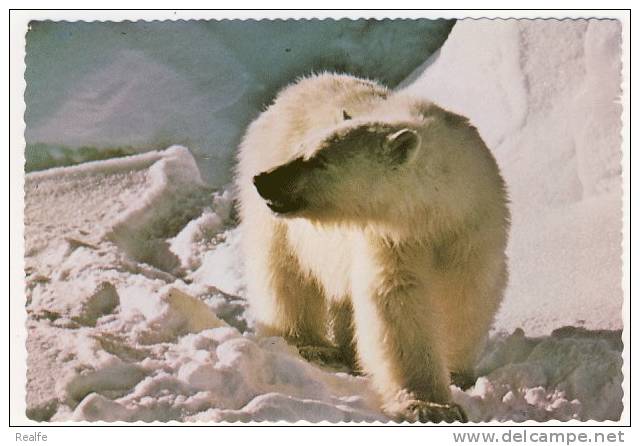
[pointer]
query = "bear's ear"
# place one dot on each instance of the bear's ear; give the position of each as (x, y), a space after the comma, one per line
(402, 145)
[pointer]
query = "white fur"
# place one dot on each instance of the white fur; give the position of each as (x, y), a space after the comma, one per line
(414, 251)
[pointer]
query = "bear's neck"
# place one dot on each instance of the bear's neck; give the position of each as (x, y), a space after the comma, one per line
(415, 227)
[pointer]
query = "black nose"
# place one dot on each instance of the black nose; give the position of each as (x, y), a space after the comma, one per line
(267, 185)
(281, 181)
(279, 187)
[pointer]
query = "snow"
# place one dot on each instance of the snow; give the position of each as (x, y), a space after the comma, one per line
(135, 289)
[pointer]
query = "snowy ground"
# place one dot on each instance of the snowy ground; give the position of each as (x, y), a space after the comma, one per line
(134, 286)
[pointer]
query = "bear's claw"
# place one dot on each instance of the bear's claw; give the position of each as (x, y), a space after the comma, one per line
(320, 354)
(428, 412)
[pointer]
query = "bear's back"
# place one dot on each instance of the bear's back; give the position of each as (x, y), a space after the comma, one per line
(311, 105)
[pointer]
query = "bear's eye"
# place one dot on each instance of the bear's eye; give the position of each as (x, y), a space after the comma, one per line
(346, 116)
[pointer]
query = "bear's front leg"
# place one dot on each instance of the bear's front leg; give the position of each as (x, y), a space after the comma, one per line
(398, 341)
(284, 300)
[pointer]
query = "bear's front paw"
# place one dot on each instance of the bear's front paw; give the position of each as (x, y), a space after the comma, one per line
(427, 412)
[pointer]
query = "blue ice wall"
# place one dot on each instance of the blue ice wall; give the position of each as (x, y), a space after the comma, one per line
(146, 85)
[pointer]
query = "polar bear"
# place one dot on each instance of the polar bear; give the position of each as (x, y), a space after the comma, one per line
(374, 224)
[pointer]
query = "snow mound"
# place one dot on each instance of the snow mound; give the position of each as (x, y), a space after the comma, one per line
(551, 114)
(572, 374)
(221, 375)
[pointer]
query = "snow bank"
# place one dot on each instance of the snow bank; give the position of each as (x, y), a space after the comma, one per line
(138, 86)
(544, 95)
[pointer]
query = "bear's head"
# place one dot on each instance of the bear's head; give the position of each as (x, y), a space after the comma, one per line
(356, 172)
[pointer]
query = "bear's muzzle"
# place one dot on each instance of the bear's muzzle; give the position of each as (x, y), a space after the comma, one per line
(279, 187)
